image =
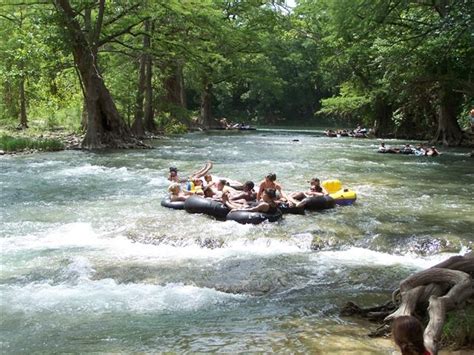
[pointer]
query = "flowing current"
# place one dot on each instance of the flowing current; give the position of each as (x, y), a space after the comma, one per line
(91, 262)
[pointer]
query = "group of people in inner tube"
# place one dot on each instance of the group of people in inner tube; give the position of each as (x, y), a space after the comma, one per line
(418, 150)
(358, 132)
(267, 199)
(231, 125)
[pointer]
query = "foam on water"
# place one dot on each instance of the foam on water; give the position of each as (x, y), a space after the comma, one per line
(158, 181)
(363, 257)
(84, 295)
(67, 235)
(113, 247)
(83, 170)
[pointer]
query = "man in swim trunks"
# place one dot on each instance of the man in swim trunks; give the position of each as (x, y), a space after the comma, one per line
(270, 183)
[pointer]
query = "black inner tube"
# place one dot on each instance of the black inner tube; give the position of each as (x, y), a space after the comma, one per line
(247, 217)
(197, 204)
(176, 205)
(317, 203)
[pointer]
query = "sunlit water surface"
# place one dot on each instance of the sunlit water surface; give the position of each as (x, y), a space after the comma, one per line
(90, 261)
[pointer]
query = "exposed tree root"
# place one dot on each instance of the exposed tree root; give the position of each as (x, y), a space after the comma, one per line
(444, 287)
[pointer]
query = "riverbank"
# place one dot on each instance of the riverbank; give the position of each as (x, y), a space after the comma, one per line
(29, 142)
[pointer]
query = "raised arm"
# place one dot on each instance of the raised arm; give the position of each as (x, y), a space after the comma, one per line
(260, 190)
(203, 171)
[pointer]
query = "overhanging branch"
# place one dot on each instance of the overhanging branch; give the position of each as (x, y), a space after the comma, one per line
(111, 37)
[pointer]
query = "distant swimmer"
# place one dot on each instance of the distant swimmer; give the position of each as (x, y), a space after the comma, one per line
(382, 148)
(432, 152)
(385, 149)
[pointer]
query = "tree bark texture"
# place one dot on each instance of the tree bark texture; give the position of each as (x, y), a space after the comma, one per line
(174, 85)
(149, 122)
(205, 118)
(105, 127)
(174, 99)
(23, 116)
(138, 127)
(383, 118)
(449, 132)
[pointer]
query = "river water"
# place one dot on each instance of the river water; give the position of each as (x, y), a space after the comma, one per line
(91, 262)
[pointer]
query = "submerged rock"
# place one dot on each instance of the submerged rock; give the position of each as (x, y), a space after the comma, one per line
(211, 243)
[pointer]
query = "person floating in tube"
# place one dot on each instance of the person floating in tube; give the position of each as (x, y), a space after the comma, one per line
(268, 203)
(270, 183)
(298, 199)
(173, 173)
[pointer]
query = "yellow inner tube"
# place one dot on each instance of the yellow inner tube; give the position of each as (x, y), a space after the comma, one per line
(337, 192)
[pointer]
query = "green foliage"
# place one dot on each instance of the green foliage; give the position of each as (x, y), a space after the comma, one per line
(458, 330)
(347, 106)
(11, 144)
(348, 60)
(171, 125)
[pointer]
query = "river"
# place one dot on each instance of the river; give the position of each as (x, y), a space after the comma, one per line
(91, 262)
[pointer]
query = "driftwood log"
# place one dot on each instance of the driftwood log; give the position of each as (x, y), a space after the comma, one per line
(441, 288)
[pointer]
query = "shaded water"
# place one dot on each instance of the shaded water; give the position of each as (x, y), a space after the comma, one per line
(90, 261)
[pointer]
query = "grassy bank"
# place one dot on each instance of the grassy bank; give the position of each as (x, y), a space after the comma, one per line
(19, 144)
(458, 330)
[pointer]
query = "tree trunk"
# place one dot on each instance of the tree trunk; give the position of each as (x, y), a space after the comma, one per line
(84, 116)
(149, 122)
(23, 117)
(182, 91)
(383, 126)
(138, 127)
(205, 119)
(174, 99)
(105, 127)
(449, 132)
(173, 85)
